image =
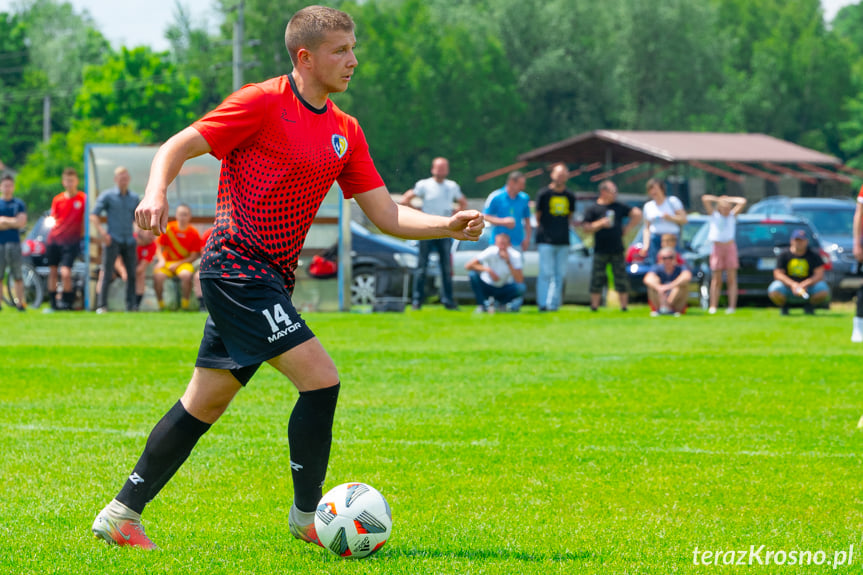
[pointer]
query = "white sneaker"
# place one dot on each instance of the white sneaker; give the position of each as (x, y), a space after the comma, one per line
(856, 337)
(654, 313)
(730, 310)
(711, 311)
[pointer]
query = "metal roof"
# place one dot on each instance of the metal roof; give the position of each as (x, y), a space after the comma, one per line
(623, 147)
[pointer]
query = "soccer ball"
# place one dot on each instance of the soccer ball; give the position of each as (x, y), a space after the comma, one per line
(353, 520)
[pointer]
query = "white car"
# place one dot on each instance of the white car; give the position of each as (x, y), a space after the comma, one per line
(576, 285)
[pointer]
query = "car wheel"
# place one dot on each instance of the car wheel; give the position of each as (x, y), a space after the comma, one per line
(33, 288)
(363, 285)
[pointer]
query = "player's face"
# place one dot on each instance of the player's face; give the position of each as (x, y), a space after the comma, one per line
(70, 183)
(335, 61)
(559, 175)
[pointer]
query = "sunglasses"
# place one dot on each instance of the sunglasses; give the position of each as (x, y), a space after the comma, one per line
(667, 258)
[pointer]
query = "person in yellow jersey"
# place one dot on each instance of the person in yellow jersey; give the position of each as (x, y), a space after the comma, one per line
(179, 247)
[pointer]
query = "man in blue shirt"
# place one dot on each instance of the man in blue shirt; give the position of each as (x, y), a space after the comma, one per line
(13, 219)
(667, 284)
(508, 211)
(118, 239)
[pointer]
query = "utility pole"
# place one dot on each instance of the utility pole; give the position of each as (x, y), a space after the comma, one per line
(46, 118)
(239, 30)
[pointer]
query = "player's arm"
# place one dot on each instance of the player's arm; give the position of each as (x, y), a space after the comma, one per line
(408, 223)
(738, 202)
(152, 212)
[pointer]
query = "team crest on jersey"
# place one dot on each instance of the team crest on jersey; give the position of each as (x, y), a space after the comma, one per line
(340, 145)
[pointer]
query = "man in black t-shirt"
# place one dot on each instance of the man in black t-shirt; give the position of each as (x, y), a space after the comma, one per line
(604, 220)
(555, 206)
(799, 276)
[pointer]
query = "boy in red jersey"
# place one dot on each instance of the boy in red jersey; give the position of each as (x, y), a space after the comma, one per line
(282, 144)
(64, 239)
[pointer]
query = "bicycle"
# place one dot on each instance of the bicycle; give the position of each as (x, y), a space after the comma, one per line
(34, 287)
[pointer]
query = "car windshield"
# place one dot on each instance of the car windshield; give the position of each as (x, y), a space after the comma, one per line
(756, 234)
(767, 234)
(830, 222)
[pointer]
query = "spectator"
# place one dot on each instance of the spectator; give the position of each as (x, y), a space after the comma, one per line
(179, 247)
(799, 276)
(438, 195)
(146, 251)
(722, 212)
(496, 276)
(64, 239)
(857, 331)
(667, 284)
(555, 210)
(662, 215)
(508, 211)
(604, 220)
(118, 237)
(13, 219)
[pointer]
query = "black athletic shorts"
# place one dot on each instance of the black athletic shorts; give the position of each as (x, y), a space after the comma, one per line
(250, 322)
(62, 254)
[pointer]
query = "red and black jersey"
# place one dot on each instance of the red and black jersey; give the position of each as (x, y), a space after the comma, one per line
(280, 157)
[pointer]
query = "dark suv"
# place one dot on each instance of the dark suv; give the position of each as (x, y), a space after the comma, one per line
(833, 219)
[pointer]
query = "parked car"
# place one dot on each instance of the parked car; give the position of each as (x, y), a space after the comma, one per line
(833, 219)
(377, 257)
(759, 240)
(576, 288)
(636, 268)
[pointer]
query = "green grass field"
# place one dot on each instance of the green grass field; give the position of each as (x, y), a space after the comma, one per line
(513, 443)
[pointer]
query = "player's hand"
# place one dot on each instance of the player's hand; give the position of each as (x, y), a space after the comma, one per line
(152, 213)
(466, 225)
(508, 223)
(106, 240)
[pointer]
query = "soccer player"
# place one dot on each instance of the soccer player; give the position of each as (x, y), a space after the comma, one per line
(282, 144)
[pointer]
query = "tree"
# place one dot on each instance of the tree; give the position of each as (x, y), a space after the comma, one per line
(141, 88)
(39, 179)
(196, 54)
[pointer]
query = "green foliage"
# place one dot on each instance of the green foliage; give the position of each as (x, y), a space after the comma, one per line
(589, 443)
(141, 88)
(39, 180)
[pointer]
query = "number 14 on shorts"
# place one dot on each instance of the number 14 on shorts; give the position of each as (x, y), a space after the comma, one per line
(280, 322)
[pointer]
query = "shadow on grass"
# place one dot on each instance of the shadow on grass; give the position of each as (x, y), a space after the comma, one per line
(488, 554)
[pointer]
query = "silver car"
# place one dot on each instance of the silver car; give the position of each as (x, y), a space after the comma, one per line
(576, 285)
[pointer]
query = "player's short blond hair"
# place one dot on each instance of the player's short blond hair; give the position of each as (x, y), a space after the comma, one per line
(308, 27)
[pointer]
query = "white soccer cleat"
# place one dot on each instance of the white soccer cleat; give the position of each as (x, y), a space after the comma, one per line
(119, 525)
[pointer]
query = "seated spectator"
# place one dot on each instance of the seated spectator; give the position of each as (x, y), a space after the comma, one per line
(667, 284)
(496, 276)
(179, 247)
(799, 276)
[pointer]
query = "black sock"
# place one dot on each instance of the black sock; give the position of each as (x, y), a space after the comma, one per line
(69, 299)
(860, 302)
(138, 299)
(310, 434)
(168, 446)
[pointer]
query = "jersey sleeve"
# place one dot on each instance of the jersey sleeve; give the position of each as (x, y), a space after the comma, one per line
(235, 121)
(359, 174)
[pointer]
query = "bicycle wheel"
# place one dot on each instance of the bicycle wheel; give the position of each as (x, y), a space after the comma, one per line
(34, 291)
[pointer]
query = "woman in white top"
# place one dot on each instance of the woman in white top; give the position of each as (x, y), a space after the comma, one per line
(722, 212)
(662, 215)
